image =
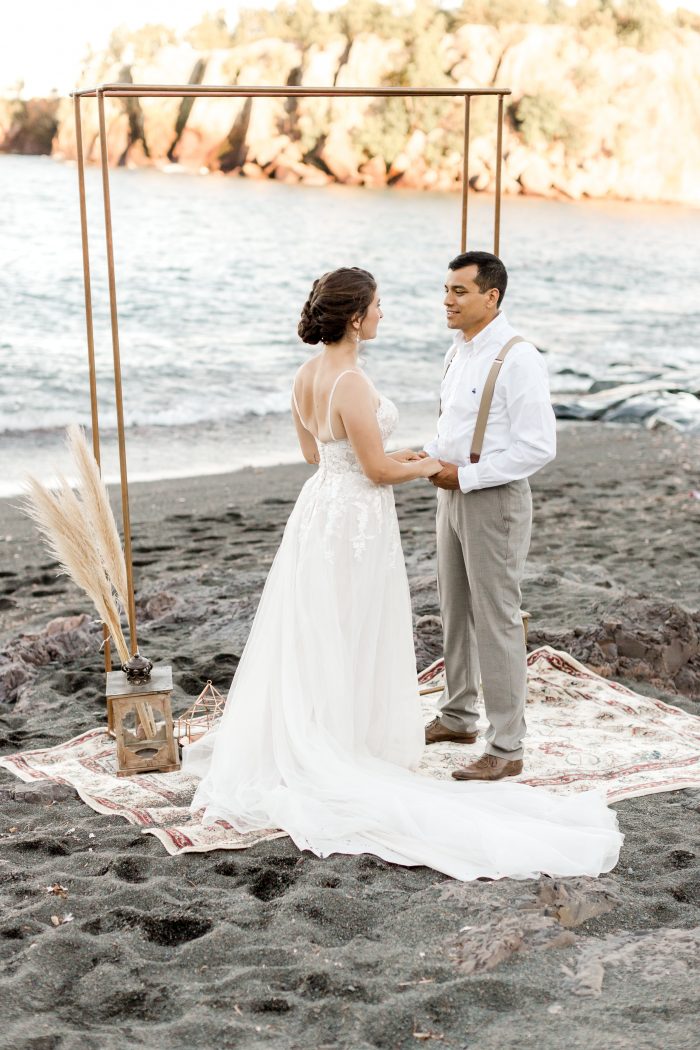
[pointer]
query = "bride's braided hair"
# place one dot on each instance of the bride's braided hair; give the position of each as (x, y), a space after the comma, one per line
(334, 300)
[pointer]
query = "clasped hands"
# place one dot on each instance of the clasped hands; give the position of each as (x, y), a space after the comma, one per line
(448, 477)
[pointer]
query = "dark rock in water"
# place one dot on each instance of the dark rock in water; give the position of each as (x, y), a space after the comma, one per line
(660, 408)
(681, 412)
(594, 406)
(580, 410)
(666, 398)
(688, 382)
(636, 409)
(626, 379)
(602, 384)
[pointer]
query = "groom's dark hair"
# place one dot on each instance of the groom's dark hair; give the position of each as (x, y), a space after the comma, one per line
(491, 273)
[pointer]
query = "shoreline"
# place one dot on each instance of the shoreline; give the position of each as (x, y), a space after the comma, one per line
(166, 453)
(174, 169)
(150, 448)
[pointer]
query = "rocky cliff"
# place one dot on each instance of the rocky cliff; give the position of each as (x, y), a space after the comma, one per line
(588, 115)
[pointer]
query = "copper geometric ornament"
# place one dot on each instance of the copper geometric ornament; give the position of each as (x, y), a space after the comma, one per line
(201, 716)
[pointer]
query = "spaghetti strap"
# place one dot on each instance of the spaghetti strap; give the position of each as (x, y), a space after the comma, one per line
(330, 399)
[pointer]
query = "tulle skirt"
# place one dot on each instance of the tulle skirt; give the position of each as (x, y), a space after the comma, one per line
(322, 731)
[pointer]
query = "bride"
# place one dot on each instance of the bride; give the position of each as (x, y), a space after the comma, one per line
(322, 729)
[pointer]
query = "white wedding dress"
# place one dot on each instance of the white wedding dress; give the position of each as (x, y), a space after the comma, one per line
(322, 728)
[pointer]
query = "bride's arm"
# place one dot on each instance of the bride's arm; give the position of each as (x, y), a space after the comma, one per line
(354, 401)
(307, 442)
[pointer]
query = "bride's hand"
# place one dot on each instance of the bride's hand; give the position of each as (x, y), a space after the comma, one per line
(429, 466)
(405, 455)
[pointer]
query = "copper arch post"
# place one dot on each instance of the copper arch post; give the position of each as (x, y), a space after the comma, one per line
(220, 91)
(88, 319)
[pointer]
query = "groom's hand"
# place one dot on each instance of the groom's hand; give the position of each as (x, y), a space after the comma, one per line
(448, 477)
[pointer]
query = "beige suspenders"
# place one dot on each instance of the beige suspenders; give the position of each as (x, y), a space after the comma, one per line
(486, 397)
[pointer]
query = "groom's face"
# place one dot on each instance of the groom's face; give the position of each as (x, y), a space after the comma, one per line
(465, 304)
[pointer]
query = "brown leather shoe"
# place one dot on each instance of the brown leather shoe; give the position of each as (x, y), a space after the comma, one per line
(437, 733)
(489, 767)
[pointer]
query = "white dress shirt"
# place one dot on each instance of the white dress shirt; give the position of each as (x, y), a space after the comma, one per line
(521, 429)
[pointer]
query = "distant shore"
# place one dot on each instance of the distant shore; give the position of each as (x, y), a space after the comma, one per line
(573, 142)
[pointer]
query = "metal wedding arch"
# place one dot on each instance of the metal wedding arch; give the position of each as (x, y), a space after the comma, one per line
(123, 91)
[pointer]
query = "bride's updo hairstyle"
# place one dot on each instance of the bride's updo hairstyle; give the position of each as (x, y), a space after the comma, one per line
(335, 299)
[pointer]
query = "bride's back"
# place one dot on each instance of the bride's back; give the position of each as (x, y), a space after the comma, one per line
(315, 391)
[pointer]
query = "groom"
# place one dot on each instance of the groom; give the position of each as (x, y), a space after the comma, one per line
(484, 513)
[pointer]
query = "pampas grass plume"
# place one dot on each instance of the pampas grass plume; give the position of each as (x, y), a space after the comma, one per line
(59, 517)
(98, 512)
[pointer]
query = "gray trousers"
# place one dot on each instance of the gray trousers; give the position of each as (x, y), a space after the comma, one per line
(482, 542)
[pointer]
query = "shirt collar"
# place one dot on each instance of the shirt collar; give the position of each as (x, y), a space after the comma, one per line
(486, 338)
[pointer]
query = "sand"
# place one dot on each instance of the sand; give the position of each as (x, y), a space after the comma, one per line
(273, 948)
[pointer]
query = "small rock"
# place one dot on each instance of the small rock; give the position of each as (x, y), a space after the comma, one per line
(160, 605)
(44, 792)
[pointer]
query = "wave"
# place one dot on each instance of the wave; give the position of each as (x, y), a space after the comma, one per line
(641, 397)
(178, 414)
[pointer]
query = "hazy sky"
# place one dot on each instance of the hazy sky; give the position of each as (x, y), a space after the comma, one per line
(44, 43)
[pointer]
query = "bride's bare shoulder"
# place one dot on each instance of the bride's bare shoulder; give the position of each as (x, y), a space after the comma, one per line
(356, 388)
(306, 372)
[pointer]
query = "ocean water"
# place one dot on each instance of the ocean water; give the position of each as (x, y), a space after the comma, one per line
(212, 273)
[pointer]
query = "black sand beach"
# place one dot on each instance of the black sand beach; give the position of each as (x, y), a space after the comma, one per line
(272, 948)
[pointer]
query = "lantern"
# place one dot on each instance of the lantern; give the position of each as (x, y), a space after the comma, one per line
(142, 722)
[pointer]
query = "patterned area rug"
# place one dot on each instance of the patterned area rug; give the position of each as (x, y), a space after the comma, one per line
(583, 731)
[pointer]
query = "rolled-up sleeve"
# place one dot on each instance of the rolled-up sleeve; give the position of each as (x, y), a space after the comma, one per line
(533, 434)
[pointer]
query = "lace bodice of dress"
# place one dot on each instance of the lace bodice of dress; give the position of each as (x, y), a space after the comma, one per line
(338, 457)
(345, 511)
